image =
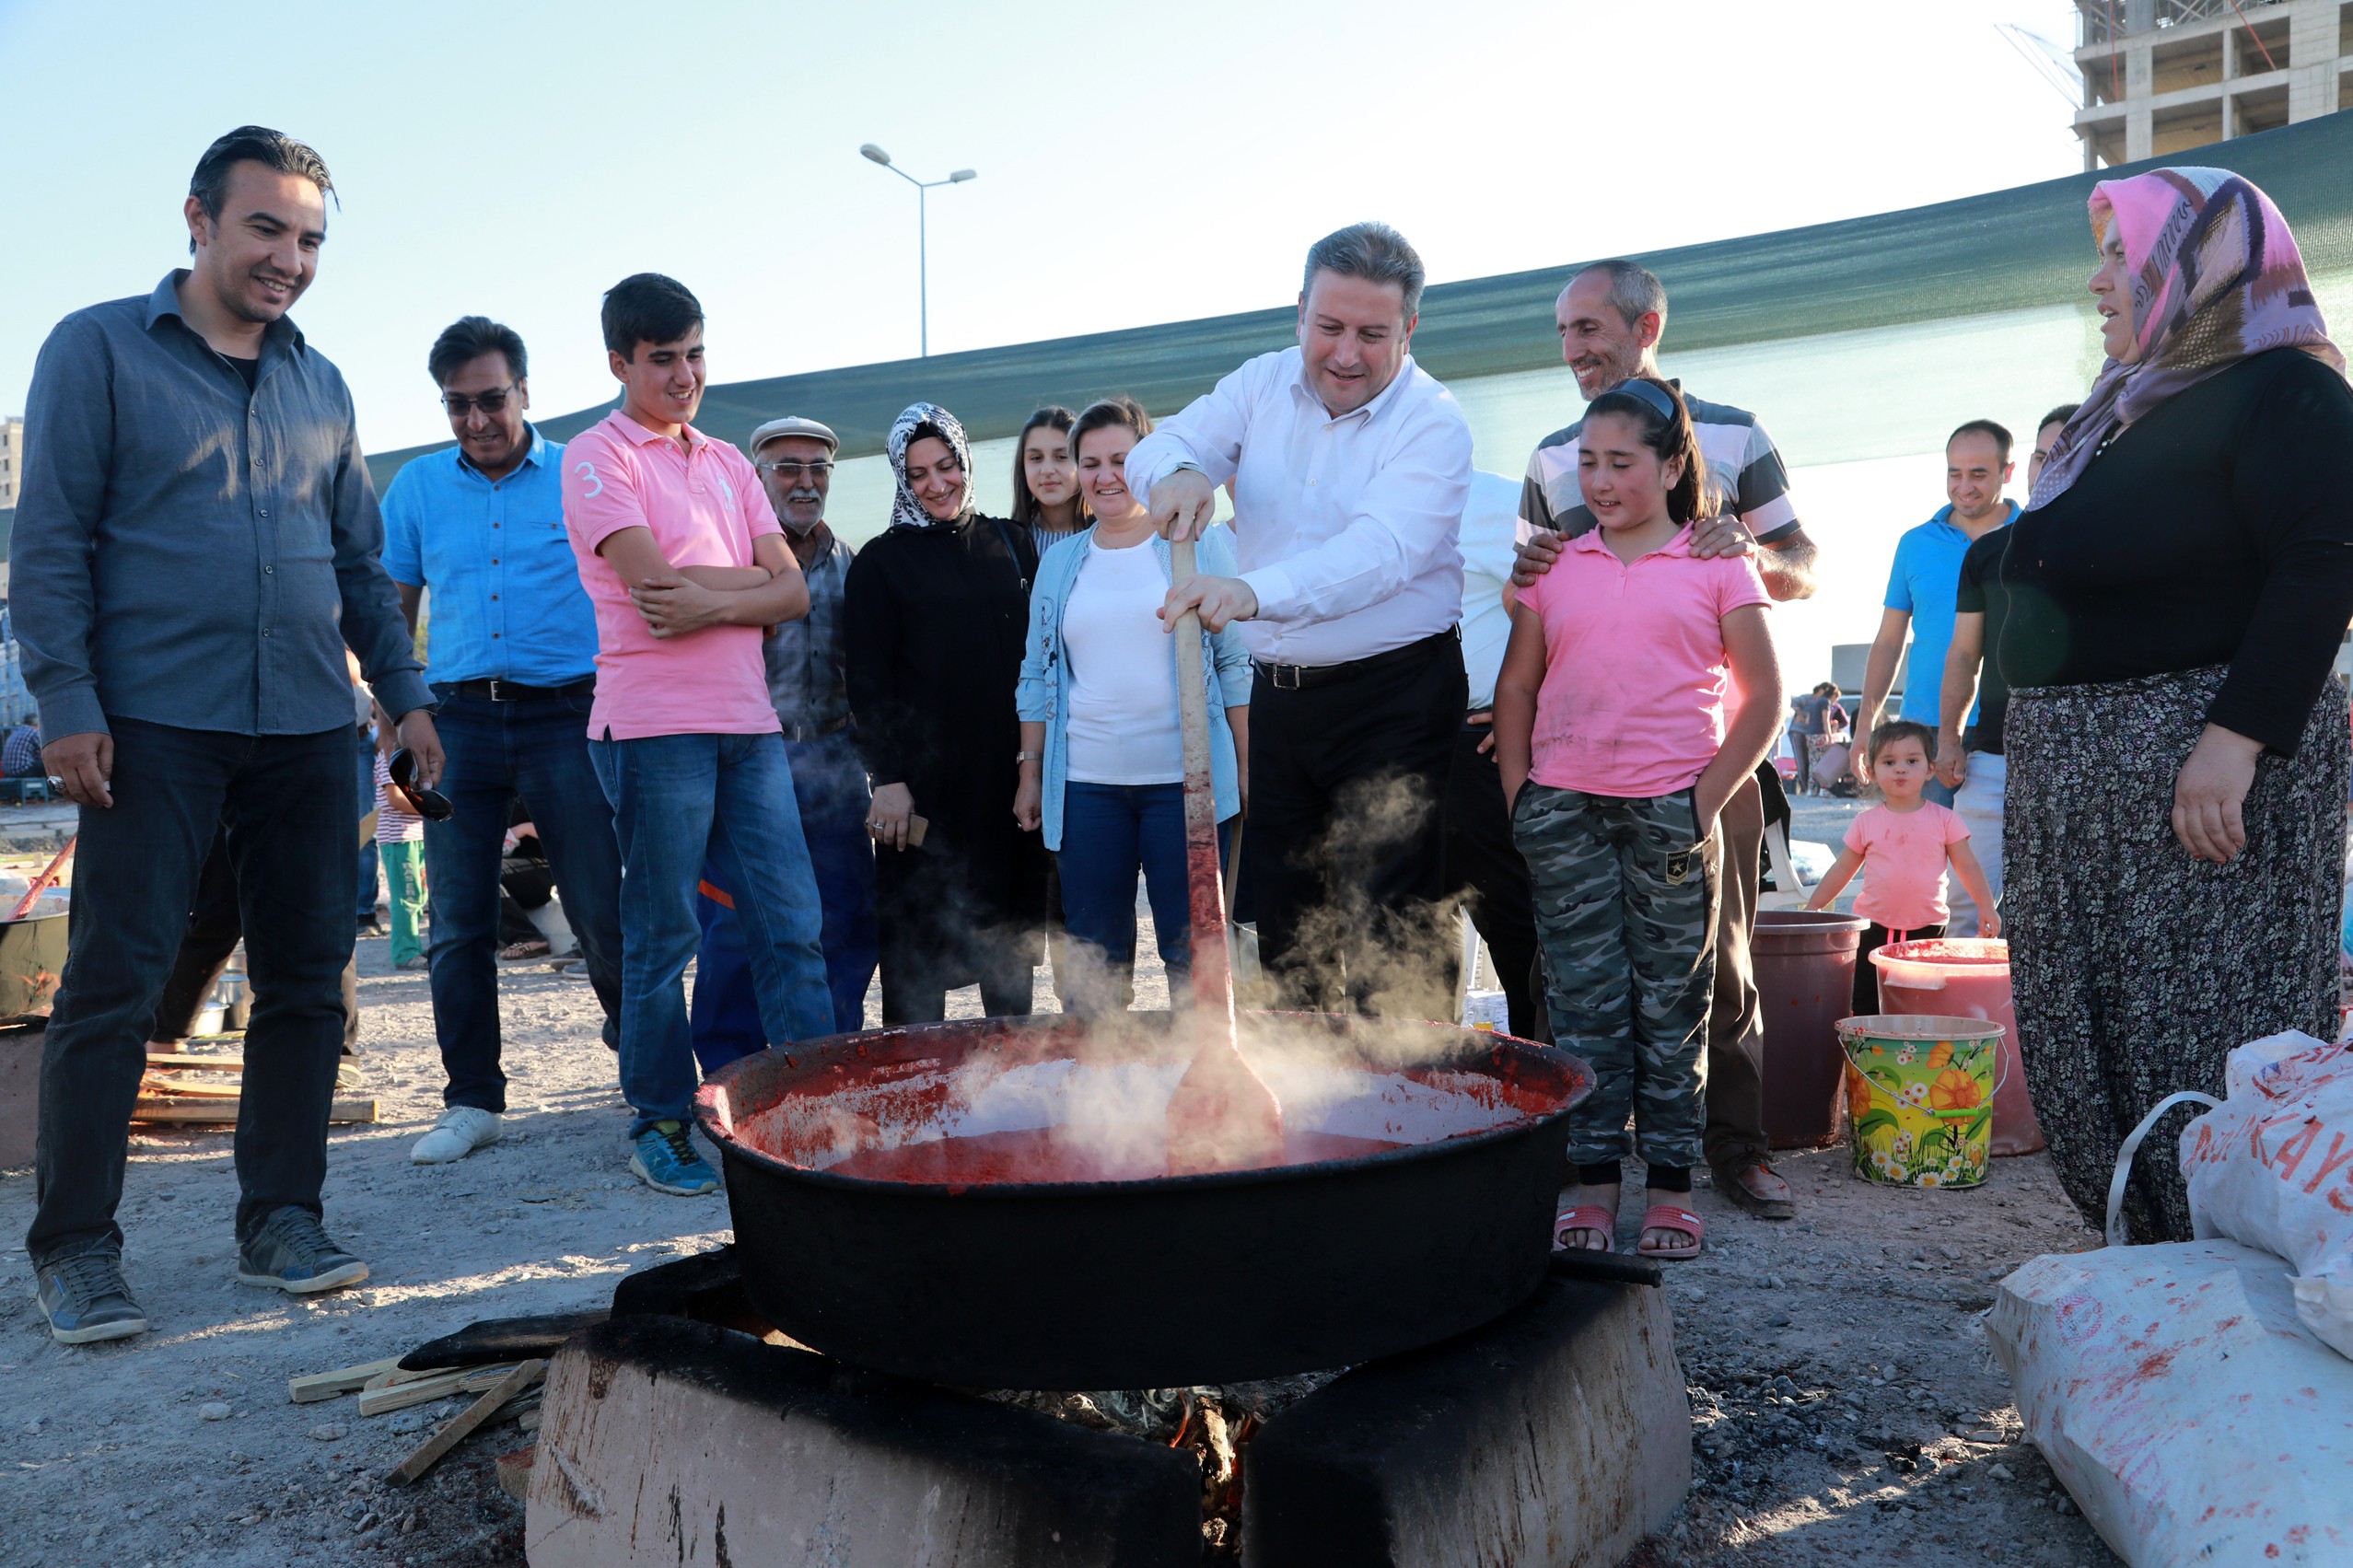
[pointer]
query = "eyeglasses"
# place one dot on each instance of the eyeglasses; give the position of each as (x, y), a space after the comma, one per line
(489, 402)
(793, 468)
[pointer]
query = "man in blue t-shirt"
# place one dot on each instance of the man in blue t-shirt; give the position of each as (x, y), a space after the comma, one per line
(1921, 587)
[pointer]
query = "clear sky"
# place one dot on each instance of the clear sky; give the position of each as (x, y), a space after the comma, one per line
(1137, 163)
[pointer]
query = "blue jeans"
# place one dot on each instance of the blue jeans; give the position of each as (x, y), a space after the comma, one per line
(286, 806)
(680, 801)
(830, 787)
(1936, 792)
(537, 748)
(1109, 832)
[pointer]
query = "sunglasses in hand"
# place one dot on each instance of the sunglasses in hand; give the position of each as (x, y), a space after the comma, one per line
(430, 803)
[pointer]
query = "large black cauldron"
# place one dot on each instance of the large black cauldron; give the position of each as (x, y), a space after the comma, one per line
(1154, 1282)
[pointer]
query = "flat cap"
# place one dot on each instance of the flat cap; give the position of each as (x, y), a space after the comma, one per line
(792, 425)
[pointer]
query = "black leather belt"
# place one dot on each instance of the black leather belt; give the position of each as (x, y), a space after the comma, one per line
(1298, 677)
(499, 691)
(797, 733)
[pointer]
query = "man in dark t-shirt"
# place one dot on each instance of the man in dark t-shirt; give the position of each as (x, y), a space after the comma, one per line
(1970, 763)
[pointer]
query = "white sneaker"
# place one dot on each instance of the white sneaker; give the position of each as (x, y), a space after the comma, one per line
(462, 1130)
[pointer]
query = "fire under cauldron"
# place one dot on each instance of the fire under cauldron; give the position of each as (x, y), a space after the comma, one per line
(1420, 1205)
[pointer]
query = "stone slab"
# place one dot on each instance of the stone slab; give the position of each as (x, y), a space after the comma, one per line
(1558, 1436)
(664, 1440)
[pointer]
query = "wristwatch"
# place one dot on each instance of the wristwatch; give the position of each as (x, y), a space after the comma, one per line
(1020, 757)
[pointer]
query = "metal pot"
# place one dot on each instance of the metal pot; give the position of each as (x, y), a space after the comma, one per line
(33, 959)
(1155, 1283)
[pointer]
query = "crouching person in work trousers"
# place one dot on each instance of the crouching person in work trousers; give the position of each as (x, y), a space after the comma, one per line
(480, 526)
(1351, 466)
(685, 564)
(808, 684)
(1611, 318)
(196, 544)
(1611, 737)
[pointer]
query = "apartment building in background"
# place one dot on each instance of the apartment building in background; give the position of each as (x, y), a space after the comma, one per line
(12, 461)
(2162, 76)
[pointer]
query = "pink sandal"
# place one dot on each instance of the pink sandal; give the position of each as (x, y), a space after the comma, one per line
(1586, 1217)
(1682, 1222)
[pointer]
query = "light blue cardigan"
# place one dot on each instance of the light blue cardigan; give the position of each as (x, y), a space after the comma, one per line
(1044, 695)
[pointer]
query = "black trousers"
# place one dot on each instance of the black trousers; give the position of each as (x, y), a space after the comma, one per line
(1480, 856)
(1876, 936)
(289, 803)
(524, 883)
(215, 928)
(1346, 780)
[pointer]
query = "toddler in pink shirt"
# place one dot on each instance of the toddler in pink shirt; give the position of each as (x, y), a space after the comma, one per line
(1615, 754)
(1902, 846)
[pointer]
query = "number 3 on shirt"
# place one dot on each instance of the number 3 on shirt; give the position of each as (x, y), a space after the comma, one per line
(587, 471)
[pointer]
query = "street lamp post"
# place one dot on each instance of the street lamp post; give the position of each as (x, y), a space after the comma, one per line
(923, 240)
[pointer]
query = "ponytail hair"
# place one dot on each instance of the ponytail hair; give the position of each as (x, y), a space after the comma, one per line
(1659, 417)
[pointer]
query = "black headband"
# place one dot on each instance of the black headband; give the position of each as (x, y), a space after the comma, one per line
(1646, 394)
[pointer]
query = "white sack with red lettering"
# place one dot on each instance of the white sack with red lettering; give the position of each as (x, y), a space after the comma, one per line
(2273, 1167)
(2189, 1414)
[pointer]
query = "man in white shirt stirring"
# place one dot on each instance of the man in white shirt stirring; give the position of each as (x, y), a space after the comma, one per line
(1351, 467)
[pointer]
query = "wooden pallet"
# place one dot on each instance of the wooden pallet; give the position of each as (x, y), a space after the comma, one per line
(222, 1110)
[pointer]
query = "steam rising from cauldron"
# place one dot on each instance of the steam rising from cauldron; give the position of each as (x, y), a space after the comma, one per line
(1105, 1088)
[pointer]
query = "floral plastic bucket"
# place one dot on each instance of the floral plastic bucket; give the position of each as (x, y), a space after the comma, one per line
(1920, 1097)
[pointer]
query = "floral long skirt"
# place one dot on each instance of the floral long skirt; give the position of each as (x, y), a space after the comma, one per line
(2135, 969)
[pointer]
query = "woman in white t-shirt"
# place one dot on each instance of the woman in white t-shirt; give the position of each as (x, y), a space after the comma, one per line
(1103, 764)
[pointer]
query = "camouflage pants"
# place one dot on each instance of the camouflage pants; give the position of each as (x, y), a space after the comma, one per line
(1625, 906)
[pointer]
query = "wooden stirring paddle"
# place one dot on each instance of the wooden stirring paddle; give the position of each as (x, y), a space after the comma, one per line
(1221, 1117)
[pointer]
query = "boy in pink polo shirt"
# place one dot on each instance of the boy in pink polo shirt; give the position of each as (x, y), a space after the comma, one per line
(1611, 736)
(684, 560)
(1901, 847)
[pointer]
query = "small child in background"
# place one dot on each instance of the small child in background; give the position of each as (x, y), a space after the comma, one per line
(1902, 846)
(400, 841)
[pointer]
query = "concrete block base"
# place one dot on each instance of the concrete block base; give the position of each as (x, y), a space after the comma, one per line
(1556, 1438)
(666, 1440)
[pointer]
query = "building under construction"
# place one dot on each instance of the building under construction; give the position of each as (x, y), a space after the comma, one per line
(2161, 75)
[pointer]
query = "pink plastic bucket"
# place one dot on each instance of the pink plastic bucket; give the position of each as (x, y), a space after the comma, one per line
(1966, 977)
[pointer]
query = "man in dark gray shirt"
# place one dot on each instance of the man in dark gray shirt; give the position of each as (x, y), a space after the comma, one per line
(808, 683)
(196, 544)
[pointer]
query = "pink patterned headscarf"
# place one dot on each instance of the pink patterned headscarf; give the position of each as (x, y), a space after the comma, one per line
(2216, 278)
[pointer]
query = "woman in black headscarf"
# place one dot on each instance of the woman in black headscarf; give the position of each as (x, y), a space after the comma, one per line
(936, 610)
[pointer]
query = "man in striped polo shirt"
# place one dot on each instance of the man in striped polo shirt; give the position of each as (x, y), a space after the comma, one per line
(1611, 316)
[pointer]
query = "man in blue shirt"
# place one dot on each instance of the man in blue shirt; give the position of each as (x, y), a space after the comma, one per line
(1927, 577)
(512, 650)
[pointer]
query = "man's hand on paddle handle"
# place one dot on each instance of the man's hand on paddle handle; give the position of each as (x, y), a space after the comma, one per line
(1183, 505)
(83, 765)
(1220, 600)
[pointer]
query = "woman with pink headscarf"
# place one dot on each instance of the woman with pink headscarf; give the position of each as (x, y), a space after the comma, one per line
(2179, 586)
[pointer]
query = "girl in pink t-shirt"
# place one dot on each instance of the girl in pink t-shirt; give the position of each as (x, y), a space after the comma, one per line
(1902, 846)
(1611, 735)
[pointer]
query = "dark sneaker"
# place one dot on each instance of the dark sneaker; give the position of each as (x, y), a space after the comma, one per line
(85, 1301)
(665, 1160)
(293, 1252)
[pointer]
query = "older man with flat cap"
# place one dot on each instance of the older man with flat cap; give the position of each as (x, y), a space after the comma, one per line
(808, 684)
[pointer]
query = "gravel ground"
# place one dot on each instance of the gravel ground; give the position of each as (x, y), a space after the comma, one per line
(1845, 1405)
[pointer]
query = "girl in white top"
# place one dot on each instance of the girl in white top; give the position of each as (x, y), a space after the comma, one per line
(1103, 754)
